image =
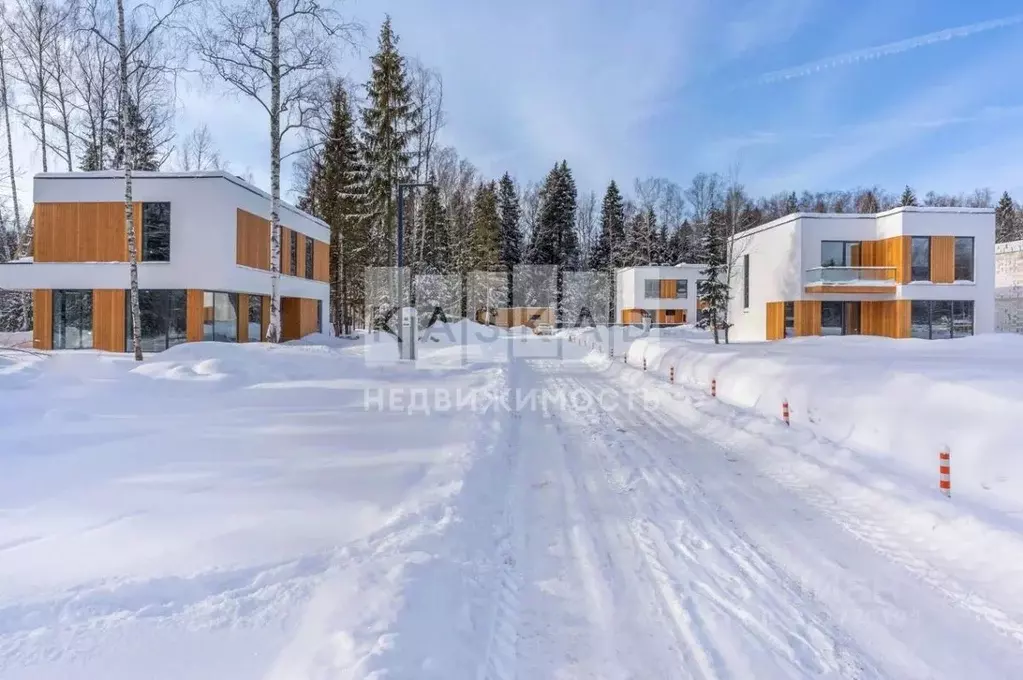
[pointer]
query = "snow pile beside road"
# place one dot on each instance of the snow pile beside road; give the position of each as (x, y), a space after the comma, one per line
(899, 401)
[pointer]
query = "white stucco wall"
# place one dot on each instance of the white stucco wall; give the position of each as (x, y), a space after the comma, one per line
(631, 288)
(203, 236)
(782, 251)
(775, 268)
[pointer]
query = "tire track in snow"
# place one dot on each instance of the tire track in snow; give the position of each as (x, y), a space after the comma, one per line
(720, 596)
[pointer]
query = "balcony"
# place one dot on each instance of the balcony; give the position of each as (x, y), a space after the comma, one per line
(868, 280)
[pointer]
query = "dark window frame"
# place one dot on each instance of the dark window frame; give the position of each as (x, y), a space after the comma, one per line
(310, 256)
(59, 317)
(847, 258)
(213, 322)
(958, 266)
(682, 286)
(293, 253)
(745, 281)
(168, 307)
(259, 320)
(160, 251)
(646, 289)
(789, 313)
(916, 271)
(946, 331)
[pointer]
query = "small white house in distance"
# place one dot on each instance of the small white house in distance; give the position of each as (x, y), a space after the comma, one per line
(907, 272)
(1009, 287)
(665, 295)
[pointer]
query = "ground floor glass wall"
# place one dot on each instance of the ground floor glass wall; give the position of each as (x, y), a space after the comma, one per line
(162, 315)
(938, 319)
(220, 316)
(72, 319)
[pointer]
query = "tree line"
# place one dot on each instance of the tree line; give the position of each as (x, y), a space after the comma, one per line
(94, 102)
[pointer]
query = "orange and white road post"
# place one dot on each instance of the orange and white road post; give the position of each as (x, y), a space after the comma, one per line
(945, 472)
(785, 411)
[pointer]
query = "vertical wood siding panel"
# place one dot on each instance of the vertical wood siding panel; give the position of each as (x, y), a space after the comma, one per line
(252, 240)
(775, 320)
(321, 261)
(193, 315)
(108, 322)
(808, 318)
(943, 259)
(42, 319)
(243, 317)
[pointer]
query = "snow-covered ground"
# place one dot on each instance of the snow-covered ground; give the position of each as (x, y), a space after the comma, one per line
(511, 506)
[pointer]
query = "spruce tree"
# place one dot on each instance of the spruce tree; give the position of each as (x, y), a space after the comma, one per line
(609, 253)
(435, 245)
(336, 193)
(543, 244)
(484, 241)
(908, 197)
(714, 290)
(791, 204)
(1006, 220)
(141, 144)
(388, 126)
(664, 246)
(511, 228)
(568, 199)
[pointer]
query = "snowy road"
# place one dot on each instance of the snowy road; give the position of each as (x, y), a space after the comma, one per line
(641, 550)
(608, 525)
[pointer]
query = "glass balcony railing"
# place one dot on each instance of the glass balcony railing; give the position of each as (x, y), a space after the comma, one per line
(850, 276)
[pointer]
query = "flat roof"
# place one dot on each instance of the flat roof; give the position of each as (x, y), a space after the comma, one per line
(158, 174)
(791, 217)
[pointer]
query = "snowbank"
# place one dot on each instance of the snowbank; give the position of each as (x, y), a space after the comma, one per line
(896, 401)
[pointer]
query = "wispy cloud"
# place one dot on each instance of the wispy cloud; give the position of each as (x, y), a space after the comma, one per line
(888, 49)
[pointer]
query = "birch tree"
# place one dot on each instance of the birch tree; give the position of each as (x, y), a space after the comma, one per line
(274, 52)
(5, 104)
(150, 21)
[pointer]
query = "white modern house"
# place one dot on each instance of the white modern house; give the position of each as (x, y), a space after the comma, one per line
(1009, 287)
(659, 295)
(203, 244)
(907, 272)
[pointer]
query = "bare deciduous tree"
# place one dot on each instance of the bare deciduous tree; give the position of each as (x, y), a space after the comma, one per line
(5, 104)
(275, 52)
(33, 27)
(197, 151)
(149, 20)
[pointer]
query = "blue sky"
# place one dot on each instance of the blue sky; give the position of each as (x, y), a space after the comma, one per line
(795, 94)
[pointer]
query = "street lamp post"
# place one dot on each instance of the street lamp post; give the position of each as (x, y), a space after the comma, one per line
(407, 329)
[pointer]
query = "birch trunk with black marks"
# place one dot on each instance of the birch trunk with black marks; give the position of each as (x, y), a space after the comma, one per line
(129, 212)
(10, 142)
(273, 331)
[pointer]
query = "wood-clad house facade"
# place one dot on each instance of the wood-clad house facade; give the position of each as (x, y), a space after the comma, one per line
(908, 272)
(203, 248)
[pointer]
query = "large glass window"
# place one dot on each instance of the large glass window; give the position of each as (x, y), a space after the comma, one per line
(652, 288)
(840, 253)
(831, 318)
(156, 232)
(255, 318)
(309, 257)
(293, 253)
(220, 317)
(681, 289)
(964, 258)
(920, 261)
(940, 319)
(790, 319)
(745, 281)
(163, 319)
(72, 319)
